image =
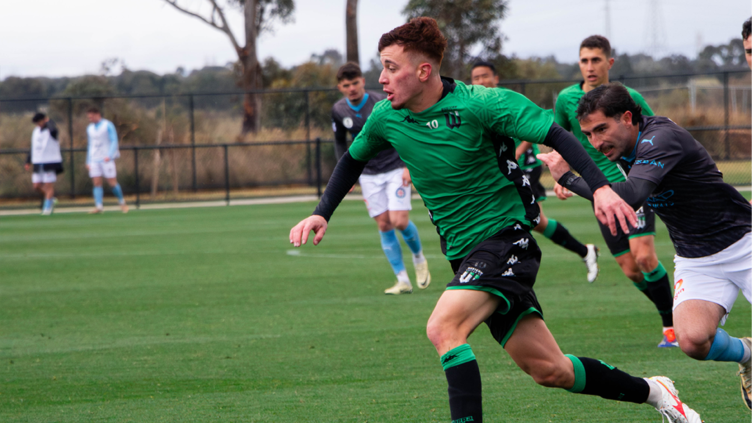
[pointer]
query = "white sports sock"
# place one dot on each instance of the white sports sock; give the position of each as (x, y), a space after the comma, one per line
(402, 277)
(747, 353)
(419, 258)
(656, 394)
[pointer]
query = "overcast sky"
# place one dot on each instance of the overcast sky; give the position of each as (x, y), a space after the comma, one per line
(73, 37)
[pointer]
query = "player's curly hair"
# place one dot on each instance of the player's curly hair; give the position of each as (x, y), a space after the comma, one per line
(611, 99)
(746, 29)
(421, 35)
(349, 70)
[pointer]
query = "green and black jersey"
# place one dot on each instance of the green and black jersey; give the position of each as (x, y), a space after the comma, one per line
(566, 116)
(460, 154)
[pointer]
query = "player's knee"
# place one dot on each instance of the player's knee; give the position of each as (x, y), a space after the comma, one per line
(634, 274)
(647, 262)
(694, 344)
(442, 334)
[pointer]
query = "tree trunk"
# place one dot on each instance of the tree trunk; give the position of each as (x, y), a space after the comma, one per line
(351, 25)
(251, 71)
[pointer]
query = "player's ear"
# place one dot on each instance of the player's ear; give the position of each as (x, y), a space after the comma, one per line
(610, 62)
(424, 71)
(626, 118)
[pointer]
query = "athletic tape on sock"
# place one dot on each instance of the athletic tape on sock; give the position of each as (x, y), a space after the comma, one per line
(656, 274)
(579, 375)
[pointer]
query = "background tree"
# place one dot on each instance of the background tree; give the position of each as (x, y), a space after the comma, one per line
(259, 16)
(351, 28)
(470, 26)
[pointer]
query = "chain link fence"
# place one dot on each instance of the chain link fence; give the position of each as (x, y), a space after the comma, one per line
(189, 147)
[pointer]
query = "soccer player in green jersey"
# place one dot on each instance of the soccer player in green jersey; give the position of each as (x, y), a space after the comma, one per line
(456, 140)
(635, 251)
(484, 73)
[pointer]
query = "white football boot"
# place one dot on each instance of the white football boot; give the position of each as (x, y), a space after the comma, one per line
(745, 372)
(671, 406)
(422, 275)
(399, 288)
(591, 261)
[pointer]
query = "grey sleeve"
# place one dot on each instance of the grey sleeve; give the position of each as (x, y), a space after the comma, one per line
(634, 190)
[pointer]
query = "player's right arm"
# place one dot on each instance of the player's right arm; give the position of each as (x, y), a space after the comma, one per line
(88, 149)
(366, 145)
(560, 117)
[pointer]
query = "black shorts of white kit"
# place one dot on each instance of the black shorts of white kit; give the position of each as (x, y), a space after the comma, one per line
(619, 245)
(504, 265)
(533, 175)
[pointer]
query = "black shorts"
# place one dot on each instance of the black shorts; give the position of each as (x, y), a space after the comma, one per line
(619, 244)
(504, 265)
(533, 175)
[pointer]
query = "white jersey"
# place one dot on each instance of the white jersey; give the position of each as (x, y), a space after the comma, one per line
(103, 142)
(45, 148)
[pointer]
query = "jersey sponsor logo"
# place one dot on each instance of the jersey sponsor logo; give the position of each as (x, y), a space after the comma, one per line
(408, 119)
(517, 226)
(400, 193)
(648, 140)
(678, 288)
(453, 119)
(470, 274)
(513, 260)
(525, 181)
(522, 243)
(649, 162)
(503, 149)
(508, 272)
(661, 200)
(347, 122)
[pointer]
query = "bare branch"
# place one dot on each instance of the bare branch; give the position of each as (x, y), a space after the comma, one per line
(210, 21)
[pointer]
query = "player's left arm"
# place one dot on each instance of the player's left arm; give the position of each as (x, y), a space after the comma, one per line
(634, 190)
(112, 134)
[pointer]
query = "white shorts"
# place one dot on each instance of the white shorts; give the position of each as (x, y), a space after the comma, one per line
(106, 169)
(43, 177)
(716, 278)
(384, 191)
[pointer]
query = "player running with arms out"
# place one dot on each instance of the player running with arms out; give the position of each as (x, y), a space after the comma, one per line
(458, 146)
(100, 158)
(635, 251)
(670, 170)
(385, 180)
(484, 73)
(45, 160)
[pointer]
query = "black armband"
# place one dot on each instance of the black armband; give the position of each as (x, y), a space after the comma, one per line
(345, 175)
(574, 153)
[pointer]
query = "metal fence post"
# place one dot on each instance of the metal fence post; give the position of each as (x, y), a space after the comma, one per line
(138, 182)
(309, 163)
(308, 138)
(227, 177)
(318, 167)
(726, 139)
(70, 138)
(193, 142)
(522, 88)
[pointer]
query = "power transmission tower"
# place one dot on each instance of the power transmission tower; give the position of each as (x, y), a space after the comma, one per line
(656, 34)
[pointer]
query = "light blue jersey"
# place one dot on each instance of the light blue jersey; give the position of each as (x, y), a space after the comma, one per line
(103, 142)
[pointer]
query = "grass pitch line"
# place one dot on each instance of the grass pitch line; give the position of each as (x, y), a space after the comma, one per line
(298, 253)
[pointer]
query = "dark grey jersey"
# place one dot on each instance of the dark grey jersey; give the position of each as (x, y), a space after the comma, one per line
(704, 215)
(347, 117)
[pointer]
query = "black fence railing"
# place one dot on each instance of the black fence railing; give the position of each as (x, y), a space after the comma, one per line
(179, 147)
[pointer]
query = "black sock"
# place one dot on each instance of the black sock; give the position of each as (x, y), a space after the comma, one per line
(463, 378)
(659, 291)
(557, 233)
(594, 377)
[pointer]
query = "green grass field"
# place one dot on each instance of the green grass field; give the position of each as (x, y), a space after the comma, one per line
(202, 315)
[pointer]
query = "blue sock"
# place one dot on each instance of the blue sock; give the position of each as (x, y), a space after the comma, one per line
(410, 234)
(725, 348)
(98, 196)
(392, 249)
(118, 193)
(48, 203)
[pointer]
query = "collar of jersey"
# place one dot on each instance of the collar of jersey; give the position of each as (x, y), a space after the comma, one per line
(632, 155)
(359, 106)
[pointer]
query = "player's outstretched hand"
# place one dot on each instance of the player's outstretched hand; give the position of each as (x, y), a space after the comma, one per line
(299, 233)
(561, 192)
(555, 163)
(609, 208)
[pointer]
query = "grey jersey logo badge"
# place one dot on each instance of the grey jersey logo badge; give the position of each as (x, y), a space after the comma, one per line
(348, 122)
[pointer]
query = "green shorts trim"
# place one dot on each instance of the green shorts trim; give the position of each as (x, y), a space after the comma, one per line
(489, 289)
(539, 199)
(514, 326)
(621, 254)
(644, 234)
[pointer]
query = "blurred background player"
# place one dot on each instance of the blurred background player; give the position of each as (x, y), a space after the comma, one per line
(385, 180)
(634, 252)
(100, 158)
(484, 73)
(747, 41)
(46, 160)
